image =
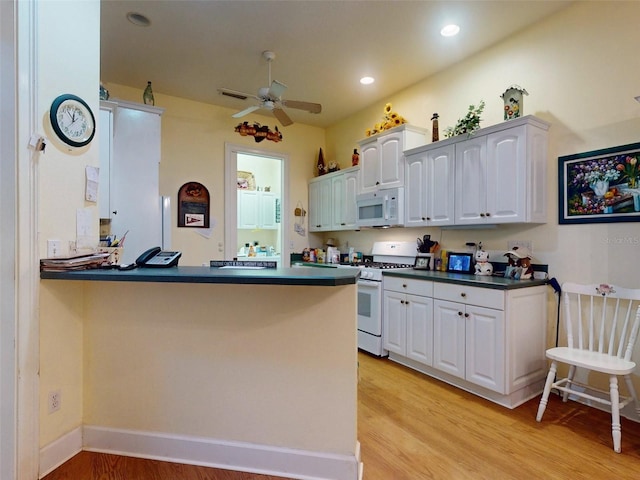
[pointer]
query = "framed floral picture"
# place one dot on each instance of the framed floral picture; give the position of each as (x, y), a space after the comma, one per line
(600, 186)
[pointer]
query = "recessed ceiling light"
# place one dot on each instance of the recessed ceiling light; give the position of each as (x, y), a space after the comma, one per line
(138, 19)
(367, 80)
(449, 30)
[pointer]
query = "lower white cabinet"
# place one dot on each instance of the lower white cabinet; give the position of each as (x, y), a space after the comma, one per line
(487, 341)
(408, 310)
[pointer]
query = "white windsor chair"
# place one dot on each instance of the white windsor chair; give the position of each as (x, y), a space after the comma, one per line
(601, 323)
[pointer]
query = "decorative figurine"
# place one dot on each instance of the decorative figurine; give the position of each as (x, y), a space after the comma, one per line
(483, 267)
(147, 96)
(435, 135)
(355, 158)
(513, 101)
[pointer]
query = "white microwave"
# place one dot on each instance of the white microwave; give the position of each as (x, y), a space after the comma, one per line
(383, 208)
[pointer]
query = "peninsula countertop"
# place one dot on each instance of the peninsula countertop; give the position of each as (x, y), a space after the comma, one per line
(240, 276)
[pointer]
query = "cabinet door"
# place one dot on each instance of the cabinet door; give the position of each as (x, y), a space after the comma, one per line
(394, 330)
(320, 205)
(507, 175)
(485, 351)
(338, 189)
(416, 190)
(134, 182)
(471, 181)
(267, 201)
(369, 167)
(248, 209)
(449, 337)
(419, 329)
(391, 160)
(440, 186)
(349, 209)
(106, 138)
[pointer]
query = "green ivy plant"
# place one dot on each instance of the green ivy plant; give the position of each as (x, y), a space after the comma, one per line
(468, 124)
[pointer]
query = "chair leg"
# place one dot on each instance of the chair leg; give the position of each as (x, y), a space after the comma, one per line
(547, 389)
(616, 432)
(632, 392)
(572, 373)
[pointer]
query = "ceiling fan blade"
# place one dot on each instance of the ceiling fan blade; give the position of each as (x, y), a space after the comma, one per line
(282, 117)
(235, 94)
(277, 89)
(246, 111)
(308, 106)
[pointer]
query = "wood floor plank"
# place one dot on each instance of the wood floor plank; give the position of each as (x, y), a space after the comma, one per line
(412, 427)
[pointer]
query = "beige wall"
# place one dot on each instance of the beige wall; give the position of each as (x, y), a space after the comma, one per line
(193, 139)
(578, 70)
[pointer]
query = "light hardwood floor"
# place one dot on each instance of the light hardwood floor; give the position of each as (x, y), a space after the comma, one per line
(412, 427)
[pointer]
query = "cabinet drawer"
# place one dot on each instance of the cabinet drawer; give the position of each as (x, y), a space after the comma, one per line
(408, 285)
(483, 297)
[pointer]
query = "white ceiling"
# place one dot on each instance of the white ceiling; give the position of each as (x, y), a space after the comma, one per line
(323, 48)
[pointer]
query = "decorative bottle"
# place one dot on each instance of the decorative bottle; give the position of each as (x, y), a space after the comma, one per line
(435, 135)
(147, 96)
(355, 158)
(322, 169)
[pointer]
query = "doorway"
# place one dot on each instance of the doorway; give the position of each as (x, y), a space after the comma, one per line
(256, 199)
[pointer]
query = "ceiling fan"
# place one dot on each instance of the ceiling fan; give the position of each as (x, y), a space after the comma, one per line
(270, 98)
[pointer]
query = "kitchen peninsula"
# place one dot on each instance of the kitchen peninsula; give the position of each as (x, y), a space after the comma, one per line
(252, 370)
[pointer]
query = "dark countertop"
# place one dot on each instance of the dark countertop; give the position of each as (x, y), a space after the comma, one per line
(484, 281)
(321, 277)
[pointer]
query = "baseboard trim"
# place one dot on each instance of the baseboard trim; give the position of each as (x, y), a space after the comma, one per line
(239, 456)
(59, 451)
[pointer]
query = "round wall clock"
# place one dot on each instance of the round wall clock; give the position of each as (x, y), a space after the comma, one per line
(72, 120)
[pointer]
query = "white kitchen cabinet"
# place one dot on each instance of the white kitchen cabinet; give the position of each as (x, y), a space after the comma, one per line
(496, 175)
(332, 201)
(257, 209)
(408, 318)
(344, 188)
(129, 185)
(469, 343)
(501, 174)
(382, 159)
(488, 341)
(429, 187)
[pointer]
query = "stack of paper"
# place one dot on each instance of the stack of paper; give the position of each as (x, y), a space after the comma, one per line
(78, 262)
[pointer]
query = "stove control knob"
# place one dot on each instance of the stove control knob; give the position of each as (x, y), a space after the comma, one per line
(367, 274)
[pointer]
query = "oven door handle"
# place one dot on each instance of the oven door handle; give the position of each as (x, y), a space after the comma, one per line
(368, 283)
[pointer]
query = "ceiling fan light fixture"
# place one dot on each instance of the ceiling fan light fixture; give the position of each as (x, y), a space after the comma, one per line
(138, 19)
(450, 30)
(367, 80)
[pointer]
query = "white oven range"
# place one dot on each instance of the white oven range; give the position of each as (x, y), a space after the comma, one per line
(386, 255)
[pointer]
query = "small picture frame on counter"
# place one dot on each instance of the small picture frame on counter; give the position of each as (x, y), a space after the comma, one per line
(422, 262)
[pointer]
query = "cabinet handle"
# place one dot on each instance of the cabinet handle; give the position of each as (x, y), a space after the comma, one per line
(488, 214)
(404, 285)
(402, 302)
(423, 219)
(343, 224)
(318, 226)
(429, 218)
(407, 302)
(463, 294)
(377, 183)
(459, 314)
(482, 215)
(466, 315)
(115, 212)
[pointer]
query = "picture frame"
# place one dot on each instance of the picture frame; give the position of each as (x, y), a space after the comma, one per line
(601, 186)
(460, 263)
(422, 263)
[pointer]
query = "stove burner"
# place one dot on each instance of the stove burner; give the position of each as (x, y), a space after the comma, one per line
(386, 265)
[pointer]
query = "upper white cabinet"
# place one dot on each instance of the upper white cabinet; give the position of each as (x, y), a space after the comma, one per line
(257, 209)
(332, 201)
(497, 175)
(429, 187)
(382, 159)
(129, 178)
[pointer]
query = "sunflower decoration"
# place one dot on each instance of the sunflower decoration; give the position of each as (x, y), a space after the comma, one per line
(390, 119)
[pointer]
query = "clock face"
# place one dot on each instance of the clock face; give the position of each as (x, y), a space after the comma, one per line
(72, 120)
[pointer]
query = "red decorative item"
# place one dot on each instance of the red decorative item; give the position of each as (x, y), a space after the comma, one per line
(321, 167)
(355, 158)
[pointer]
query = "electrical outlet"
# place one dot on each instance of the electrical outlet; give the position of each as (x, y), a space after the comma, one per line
(54, 401)
(520, 244)
(53, 248)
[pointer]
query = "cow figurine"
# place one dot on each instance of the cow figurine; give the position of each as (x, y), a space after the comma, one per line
(483, 267)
